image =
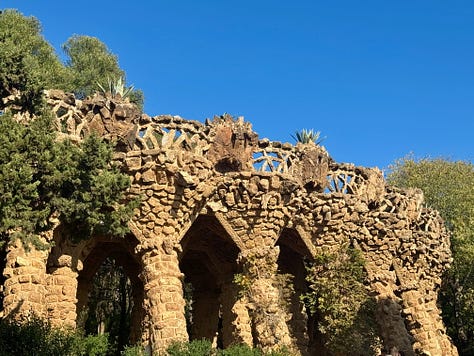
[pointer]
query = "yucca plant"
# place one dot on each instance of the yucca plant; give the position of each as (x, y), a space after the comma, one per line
(116, 87)
(307, 136)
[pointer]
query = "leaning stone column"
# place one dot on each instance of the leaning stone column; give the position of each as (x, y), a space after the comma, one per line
(265, 293)
(164, 303)
(25, 284)
(425, 324)
(235, 316)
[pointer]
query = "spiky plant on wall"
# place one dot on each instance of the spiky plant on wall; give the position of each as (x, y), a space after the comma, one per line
(116, 87)
(307, 136)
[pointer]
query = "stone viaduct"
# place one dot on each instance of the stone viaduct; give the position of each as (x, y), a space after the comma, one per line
(216, 199)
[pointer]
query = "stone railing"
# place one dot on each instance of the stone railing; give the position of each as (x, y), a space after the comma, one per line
(277, 157)
(274, 156)
(345, 178)
(168, 132)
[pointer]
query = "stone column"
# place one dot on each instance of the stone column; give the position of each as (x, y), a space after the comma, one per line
(383, 283)
(25, 282)
(421, 314)
(266, 303)
(164, 303)
(61, 297)
(425, 324)
(235, 317)
(298, 323)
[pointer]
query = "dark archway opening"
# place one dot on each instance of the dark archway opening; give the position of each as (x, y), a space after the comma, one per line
(209, 263)
(291, 262)
(110, 295)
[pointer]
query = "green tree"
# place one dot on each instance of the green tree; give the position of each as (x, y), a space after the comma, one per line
(41, 178)
(90, 62)
(342, 309)
(28, 63)
(448, 186)
(92, 66)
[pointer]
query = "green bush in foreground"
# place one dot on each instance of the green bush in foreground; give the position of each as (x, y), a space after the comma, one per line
(36, 337)
(204, 348)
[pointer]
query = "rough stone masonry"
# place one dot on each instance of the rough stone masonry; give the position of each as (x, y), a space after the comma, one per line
(217, 200)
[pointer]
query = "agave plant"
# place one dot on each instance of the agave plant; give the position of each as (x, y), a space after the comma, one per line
(116, 87)
(307, 136)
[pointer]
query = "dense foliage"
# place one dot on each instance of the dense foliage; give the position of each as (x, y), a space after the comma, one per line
(204, 348)
(35, 337)
(343, 311)
(28, 63)
(45, 340)
(42, 179)
(448, 186)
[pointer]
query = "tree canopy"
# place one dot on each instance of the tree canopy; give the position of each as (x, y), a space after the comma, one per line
(29, 64)
(43, 179)
(448, 186)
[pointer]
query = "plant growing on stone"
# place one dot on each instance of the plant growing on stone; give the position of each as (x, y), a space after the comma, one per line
(116, 88)
(308, 136)
(135, 350)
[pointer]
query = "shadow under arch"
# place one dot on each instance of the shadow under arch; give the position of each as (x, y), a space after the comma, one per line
(120, 250)
(209, 262)
(291, 263)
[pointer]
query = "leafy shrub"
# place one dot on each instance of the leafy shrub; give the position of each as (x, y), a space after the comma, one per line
(37, 337)
(204, 348)
(193, 348)
(41, 339)
(136, 350)
(240, 350)
(91, 345)
(337, 296)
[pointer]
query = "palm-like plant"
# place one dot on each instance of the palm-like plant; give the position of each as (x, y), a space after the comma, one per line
(116, 87)
(307, 136)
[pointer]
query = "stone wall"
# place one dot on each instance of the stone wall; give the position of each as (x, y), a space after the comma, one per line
(220, 204)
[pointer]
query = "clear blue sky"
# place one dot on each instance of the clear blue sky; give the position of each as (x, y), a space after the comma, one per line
(379, 79)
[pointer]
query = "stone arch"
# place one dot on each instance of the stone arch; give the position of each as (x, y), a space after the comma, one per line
(208, 261)
(294, 251)
(121, 251)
